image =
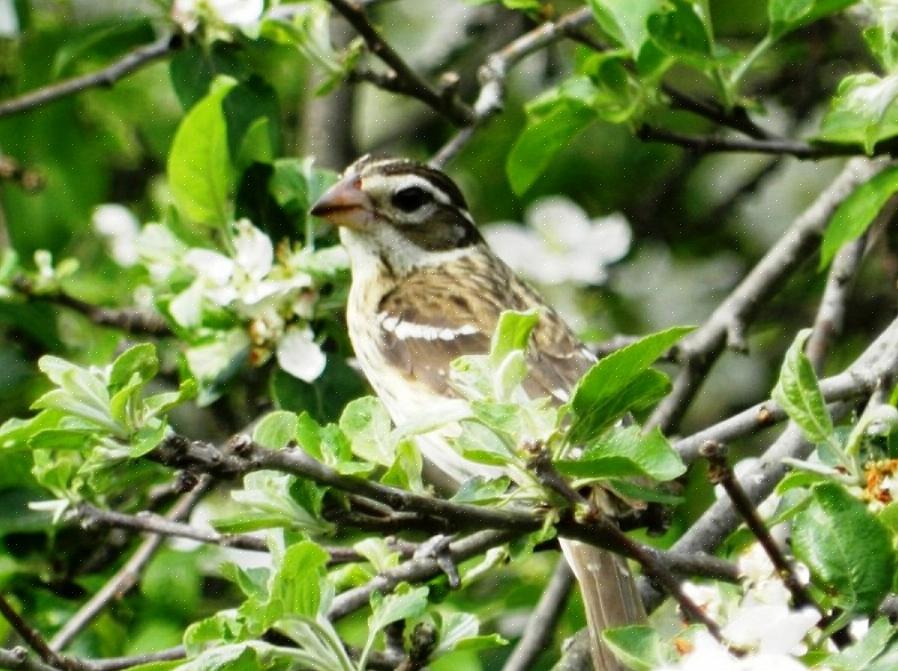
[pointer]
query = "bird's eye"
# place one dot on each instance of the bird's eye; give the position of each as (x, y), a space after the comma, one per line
(411, 198)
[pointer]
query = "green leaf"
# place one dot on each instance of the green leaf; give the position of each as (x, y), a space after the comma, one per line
(479, 443)
(512, 333)
(199, 166)
(542, 138)
(625, 21)
(147, 438)
(276, 429)
(787, 15)
(459, 631)
(404, 603)
(855, 214)
(798, 393)
(406, 469)
(848, 551)
(367, 425)
(858, 656)
(638, 647)
(620, 381)
(298, 581)
(482, 490)
(863, 111)
(140, 360)
(684, 33)
(626, 452)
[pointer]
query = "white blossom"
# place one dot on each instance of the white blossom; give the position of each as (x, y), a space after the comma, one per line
(241, 13)
(244, 283)
(121, 229)
(708, 654)
(560, 243)
(300, 355)
(9, 20)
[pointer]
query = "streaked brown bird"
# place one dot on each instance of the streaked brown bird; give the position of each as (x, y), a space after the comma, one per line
(427, 289)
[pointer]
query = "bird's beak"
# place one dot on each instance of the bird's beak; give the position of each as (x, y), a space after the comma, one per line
(345, 204)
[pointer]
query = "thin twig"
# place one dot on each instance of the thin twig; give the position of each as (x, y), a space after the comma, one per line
(120, 663)
(157, 524)
(542, 621)
(130, 320)
(707, 144)
(541, 464)
(727, 324)
(402, 78)
(737, 118)
(129, 574)
(17, 659)
(134, 60)
(494, 72)
(32, 637)
(417, 569)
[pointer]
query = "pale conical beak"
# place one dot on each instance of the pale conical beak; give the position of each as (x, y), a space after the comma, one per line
(345, 204)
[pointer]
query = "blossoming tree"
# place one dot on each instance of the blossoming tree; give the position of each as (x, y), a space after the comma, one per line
(194, 473)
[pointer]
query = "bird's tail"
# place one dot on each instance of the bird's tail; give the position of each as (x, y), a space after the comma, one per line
(610, 596)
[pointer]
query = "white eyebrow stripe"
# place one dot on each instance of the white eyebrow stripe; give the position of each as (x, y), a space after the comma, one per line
(411, 331)
(395, 183)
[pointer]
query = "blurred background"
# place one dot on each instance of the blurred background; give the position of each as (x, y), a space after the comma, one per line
(624, 236)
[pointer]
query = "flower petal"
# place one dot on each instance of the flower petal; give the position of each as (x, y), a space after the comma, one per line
(300, 356)
(210, 265)
(255, 253)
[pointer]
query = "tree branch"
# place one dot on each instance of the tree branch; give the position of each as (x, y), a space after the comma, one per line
(727, 324)
(130, 320)
(706, 144)
(33, 637)
(494, 72)
(134, 60)
(129, 574)
(403, 78)
(542, 621)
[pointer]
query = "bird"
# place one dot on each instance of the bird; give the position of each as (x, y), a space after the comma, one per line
(426, 289)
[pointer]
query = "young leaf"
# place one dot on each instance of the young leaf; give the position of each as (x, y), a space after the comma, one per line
(406, 602)
(512, 333)
(638, 647)
(366, 423)
(798, 392)
(298, 581)
(276, 429)
(543, 137)
(596, 398)
(140, 360)
(626, 452)
(199, 166)
(863, 111)
(625, 21)
(859, 656)
(857, 212)
(848, 551)
(787, 15)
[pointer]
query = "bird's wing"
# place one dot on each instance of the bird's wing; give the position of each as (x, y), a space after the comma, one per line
(428, 321)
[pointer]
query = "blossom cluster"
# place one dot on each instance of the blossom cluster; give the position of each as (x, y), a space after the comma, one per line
(252, 301)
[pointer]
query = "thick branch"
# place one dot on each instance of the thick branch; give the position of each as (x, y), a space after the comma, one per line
(106, 77)
(700, 349)
(244, 456)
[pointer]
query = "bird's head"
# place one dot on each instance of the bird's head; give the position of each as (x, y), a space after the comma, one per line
(403, 211)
